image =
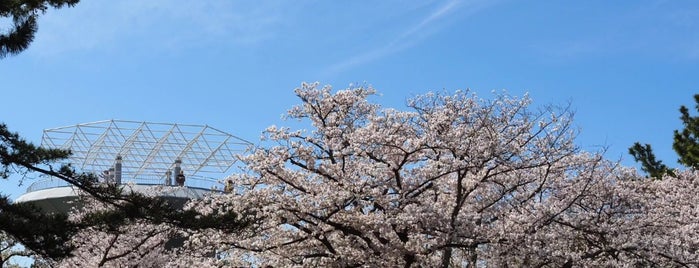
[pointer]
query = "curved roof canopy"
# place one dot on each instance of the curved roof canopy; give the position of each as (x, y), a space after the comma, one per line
(146, 148)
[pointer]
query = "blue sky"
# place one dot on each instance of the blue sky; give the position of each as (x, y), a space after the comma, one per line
(625, 66)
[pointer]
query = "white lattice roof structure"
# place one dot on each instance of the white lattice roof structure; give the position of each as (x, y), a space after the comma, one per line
(148, 149)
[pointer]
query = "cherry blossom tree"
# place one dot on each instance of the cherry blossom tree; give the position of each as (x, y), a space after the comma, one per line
(453, 181)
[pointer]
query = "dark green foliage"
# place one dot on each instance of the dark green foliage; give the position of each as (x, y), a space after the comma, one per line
(16, 151)
(42, 233)
(135, 206)
(46, 234)
(685, 144)
(24, 14)
(644, 155)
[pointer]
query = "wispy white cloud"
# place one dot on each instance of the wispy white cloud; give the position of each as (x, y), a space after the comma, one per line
(157, 23)
(413, 34)
(435, 15)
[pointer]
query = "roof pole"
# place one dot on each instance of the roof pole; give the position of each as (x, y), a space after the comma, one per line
(117, 169)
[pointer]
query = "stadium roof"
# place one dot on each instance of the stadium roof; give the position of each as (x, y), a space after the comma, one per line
(147, 148)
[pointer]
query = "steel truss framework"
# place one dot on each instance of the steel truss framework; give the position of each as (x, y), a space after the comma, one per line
(148, 149)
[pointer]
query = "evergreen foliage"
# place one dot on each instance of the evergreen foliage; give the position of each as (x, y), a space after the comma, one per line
(24, 15)
(685, 144)
(644, 154)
